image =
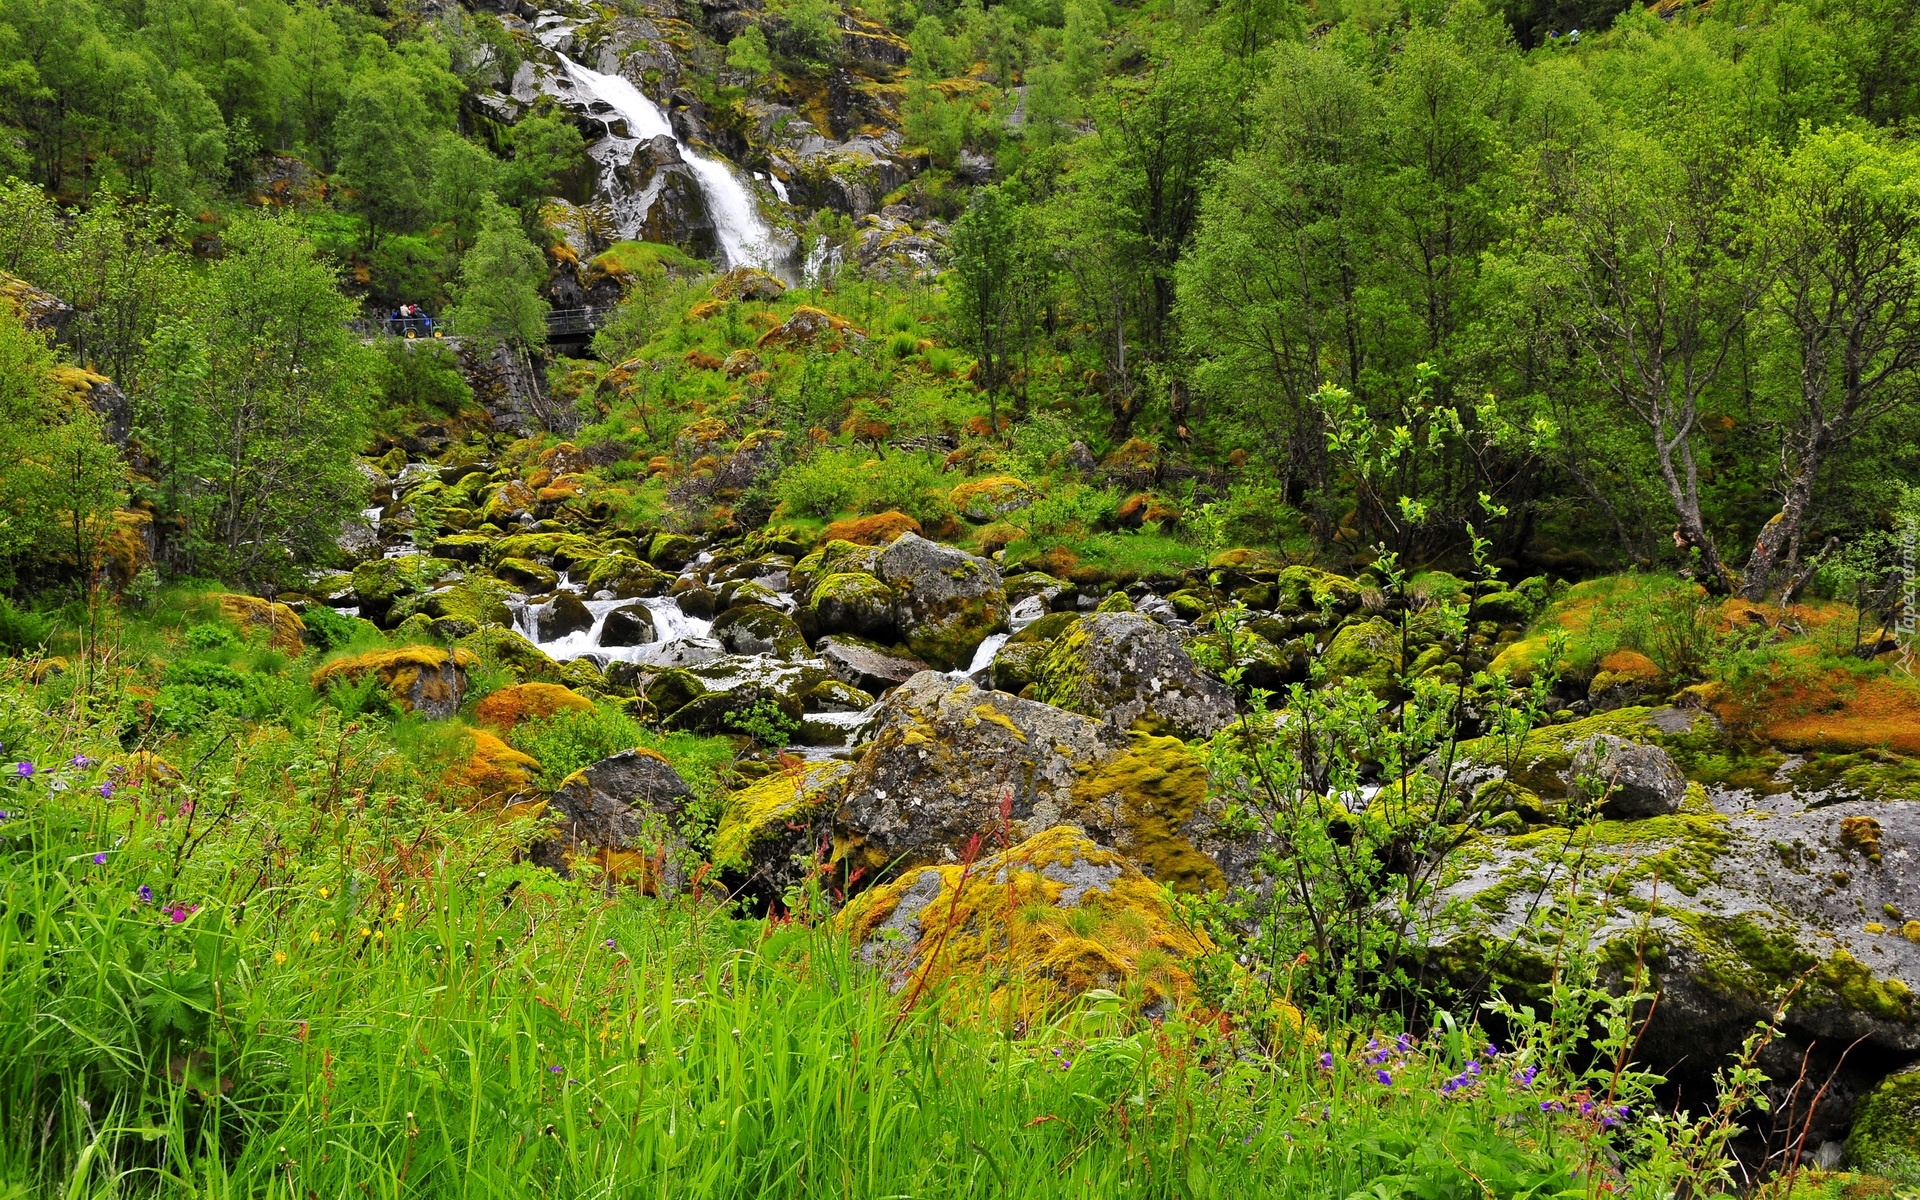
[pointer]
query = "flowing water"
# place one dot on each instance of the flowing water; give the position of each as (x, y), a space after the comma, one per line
(745, 237)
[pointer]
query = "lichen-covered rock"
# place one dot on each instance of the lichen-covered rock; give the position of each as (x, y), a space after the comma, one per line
(476, 600)
(284, 629)
(833, 696)
(1307, 589)
(850, 602)
(506, 708)
(628, 625)
(757, 629)
(623, 813)
(948, 761)
(671, 690)
(1125, 670)
(832, 557)
(1028, 929)
(1016, 665)
(422, 679)
(1748, 892)
(866, 666)
(1633, 778)
(947, 601)
(983, 500)
(772, 832)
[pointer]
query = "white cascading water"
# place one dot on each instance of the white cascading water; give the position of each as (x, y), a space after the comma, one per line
(745, 237)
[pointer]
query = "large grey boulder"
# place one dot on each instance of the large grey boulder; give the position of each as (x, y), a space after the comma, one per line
(866, 666)
(1127, 671)
(946, 601)
(622, 812)
(1633, 779)
(948, 762)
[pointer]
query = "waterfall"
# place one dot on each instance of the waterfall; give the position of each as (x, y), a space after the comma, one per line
(745, 237)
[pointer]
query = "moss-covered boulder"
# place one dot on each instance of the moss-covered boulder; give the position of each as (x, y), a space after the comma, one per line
(757, 629)
(562, 551)
(492, 771)
(427, 680)
(511, 650)
(850, 602)
(771, 829)
(1886, 1127)
(1064, 915)
(279, 625)
(378, 584)
(946, 601)
(1016, 665)
(989, 498)
(831, 557)
(624, 814)
(477, 600)
(1755, 888)
(627, 576)
(506, 708)
(833, 696)
(945, 756)
(670, 551)
(672, 690)
(1300, 589)
(1365, 653)
(1126, 671)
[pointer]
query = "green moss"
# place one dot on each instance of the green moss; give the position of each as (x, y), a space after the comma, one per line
(1366, 653)
(1886, 1126)
(1159, 782)
(765, 809)
(1869, 774)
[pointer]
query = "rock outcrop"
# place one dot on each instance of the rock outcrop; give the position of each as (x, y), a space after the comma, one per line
(1125, 670)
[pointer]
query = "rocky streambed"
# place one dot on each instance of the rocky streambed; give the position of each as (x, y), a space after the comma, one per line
(941, 710)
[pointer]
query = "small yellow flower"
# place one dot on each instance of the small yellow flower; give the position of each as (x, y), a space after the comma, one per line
(400, 910)
(314, 936)
(365, 931)
(325, 892)
(279, 956)
(378, 934)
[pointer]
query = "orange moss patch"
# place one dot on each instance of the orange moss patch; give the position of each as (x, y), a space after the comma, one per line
(705, 309)
(1011, 928)
(1840, 715)
(286, 632)
(128, 546)
(494, 770)
(1631, 664)
(509, 706)
(877, 530)
(701, 360)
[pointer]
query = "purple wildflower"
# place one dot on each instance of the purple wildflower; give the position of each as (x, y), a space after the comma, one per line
(100, 859)
(145, 893)
(1552, 1106)
(106, 791)
(79, 762)
(609, 943)
(1527, 1073)
(555, 1069)
(1404, 1043)
(23, 770)
(1586, 1108)
(1491, 1052)
(178, 914)
(1326, 1060)
(1473, 1068)
(1383, 1077)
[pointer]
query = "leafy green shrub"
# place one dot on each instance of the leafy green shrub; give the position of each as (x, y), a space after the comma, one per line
(819, 487)
(194, 691)
(570, 740)
(327, 629)
(211, 636)
(22, 630)
(908, 483)
(764, 723)
(1071, 511)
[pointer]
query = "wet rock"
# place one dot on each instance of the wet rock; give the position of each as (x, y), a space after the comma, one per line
(563, 615)
(1127, 671)
(833, 696)
(866, 666)
(947, 601)
(670, 551)
(757, 629)
(627, 577)
(851, 602)
(526, 575)
(623, 813)
(628, 625)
